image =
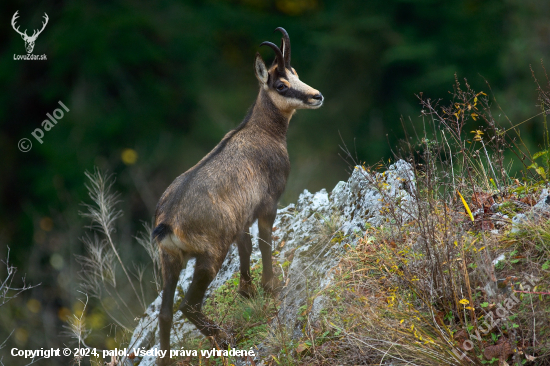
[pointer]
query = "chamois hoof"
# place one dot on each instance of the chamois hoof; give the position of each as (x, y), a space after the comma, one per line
(222, 340)
(246, 289)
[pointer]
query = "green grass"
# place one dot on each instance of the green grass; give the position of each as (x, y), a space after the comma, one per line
(246, 319)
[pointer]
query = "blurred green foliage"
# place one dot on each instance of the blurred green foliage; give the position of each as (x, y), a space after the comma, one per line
(166, 80)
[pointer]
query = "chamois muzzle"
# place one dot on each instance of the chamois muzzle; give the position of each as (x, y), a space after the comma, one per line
(317, 100)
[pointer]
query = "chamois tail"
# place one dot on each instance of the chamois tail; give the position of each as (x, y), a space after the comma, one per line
(161, 231)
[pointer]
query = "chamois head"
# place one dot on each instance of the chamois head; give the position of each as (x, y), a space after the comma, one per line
(281, 83)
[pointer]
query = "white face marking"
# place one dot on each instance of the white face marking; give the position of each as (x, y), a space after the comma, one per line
(288, 104)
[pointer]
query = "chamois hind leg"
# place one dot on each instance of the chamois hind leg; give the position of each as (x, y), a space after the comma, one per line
(244, 244)
(206, 269)
(265, 224)
(171, 267)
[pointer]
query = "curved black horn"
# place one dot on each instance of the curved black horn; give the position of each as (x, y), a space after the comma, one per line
(285, 47)
(280, 60)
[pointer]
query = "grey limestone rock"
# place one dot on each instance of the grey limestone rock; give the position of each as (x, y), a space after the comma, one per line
(539, 210)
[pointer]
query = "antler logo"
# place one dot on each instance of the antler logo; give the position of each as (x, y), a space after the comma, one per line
(29, 40)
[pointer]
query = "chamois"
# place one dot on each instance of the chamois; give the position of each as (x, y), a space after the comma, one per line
(213, 204)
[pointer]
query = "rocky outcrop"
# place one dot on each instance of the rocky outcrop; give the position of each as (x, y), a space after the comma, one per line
(309, 239)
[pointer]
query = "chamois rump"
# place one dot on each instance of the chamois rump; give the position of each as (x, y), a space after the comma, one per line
(213, 204)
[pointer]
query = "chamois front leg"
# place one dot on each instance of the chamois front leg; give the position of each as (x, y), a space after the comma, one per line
(171, 267)
(265, 224)
(244, 244)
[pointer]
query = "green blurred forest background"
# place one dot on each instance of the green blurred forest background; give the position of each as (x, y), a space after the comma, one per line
(153, 86)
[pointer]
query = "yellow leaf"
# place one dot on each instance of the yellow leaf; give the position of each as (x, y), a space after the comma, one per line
(541, 171)
(464, 302)
(466, 206)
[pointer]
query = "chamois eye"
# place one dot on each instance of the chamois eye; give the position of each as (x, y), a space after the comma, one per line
(281, 87)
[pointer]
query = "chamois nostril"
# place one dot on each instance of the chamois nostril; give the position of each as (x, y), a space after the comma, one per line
(318, 96)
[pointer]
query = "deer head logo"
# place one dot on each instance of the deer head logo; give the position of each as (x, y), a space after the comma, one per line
(29, 40)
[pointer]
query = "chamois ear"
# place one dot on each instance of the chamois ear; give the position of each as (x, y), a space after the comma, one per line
(260, 69)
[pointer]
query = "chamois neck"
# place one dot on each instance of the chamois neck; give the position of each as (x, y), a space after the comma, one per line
(268, 117)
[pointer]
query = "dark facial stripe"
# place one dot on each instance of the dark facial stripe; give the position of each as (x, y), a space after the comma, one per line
(293, 93)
